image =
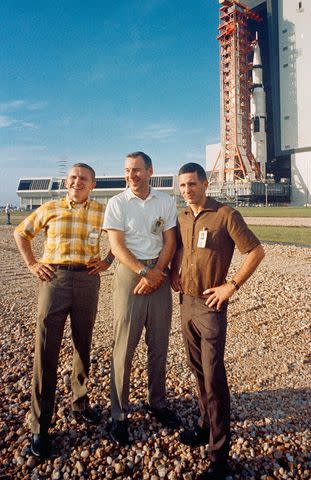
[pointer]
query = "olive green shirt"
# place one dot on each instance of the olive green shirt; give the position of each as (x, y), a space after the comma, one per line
(207, 267)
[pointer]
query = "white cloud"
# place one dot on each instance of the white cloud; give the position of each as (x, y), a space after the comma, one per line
(5, 121)
(36, 106)
(17, 106)
(14, 105)
(157, 132)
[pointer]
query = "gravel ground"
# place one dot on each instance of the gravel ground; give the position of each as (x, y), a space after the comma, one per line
(279, 221)
(268, 367)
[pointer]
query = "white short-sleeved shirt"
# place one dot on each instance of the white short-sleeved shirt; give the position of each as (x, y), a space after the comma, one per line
(137, 218)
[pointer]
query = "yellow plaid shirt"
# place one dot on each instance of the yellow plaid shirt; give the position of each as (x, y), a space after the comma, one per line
(72, 232)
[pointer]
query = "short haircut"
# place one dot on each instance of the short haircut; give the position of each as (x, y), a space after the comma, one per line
(192, 168)
(85, 165)
(144, 156)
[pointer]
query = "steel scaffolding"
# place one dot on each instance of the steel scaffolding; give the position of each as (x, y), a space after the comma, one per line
(235, 163)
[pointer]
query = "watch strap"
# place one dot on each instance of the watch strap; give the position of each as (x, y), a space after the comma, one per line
(236, 285)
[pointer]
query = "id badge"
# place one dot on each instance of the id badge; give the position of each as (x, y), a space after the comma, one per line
(93, 237)
(202, 238)
(157, 226)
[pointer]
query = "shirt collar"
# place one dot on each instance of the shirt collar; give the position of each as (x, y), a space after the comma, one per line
(210, 205)
(71, 204)
(130, 195)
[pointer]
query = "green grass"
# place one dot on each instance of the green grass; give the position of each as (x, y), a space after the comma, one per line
(293, 235)
(275, 211)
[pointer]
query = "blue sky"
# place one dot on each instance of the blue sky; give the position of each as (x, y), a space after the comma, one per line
(93, 80)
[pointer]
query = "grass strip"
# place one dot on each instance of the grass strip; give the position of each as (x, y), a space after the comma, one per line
(292, 212)
(292, 235)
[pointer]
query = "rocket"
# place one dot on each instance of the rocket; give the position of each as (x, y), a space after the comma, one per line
(258, 111)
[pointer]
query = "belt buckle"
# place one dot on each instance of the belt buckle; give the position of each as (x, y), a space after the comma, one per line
(151, 261)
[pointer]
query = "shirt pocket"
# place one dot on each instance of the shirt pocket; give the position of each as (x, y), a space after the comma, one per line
(215, 239)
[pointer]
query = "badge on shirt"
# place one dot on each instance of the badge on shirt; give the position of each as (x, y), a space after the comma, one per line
(93, 237)
(157, 226)
(202, 238)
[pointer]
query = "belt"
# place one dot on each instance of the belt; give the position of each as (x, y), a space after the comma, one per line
(75, 267)
(151, 261)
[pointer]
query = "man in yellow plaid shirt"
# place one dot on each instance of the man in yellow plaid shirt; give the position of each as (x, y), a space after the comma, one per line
(69, 281)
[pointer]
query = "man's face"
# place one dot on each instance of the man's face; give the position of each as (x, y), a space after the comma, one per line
(192, 188)
(79, 183)
(137, 175)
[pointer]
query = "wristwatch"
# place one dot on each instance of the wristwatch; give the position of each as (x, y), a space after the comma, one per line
(143, 271)
(109, 260)
(236, 285)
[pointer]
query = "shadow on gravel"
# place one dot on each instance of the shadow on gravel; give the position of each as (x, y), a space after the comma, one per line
(273, 420)
(269, 433)
(284, 406)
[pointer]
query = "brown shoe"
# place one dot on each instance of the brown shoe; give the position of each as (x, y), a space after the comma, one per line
(195, 438)
(165, 416)
(216, 471)
(89, 415)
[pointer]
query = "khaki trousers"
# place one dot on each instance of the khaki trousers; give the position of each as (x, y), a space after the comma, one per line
(69, 293)
(204, 333)
(131, 314)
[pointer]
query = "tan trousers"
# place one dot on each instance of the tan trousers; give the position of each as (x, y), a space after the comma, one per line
(74, 294)
(131, 314)
(204, 333)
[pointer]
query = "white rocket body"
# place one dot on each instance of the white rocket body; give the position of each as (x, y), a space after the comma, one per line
(258, 112)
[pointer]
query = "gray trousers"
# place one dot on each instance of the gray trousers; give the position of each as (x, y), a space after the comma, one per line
(74, 294)
(204, 333)
(131, 314)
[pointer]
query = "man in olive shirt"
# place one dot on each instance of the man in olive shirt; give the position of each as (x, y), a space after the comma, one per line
(68, 285)
(207, 234)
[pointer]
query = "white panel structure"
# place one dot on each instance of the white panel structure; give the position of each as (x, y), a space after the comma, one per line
(295, 99)
(211, 154)
(301, 178)
(295, 73)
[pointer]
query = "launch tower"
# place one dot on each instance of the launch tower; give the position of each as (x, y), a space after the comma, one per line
(235, 163)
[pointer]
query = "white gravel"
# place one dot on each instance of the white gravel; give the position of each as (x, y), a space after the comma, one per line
(268, 364)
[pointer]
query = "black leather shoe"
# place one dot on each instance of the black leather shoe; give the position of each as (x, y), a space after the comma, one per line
(165, 416)
(40, 444)
(119, 432)
(195, 438)
(217, 471)
(89, 415)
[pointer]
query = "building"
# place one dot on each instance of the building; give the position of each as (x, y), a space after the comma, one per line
(285, 45)
(33, 192)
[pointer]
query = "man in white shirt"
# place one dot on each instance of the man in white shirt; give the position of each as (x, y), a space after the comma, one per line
(141, 228)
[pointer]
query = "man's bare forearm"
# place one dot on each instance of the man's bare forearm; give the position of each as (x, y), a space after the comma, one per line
(168, 249)
(175, 269)
(24, 247)
(176, 262)
(40, 270)
(122, 253)
(218, 295)
(249, 265)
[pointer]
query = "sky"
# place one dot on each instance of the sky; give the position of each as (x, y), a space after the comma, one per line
(90, 81)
